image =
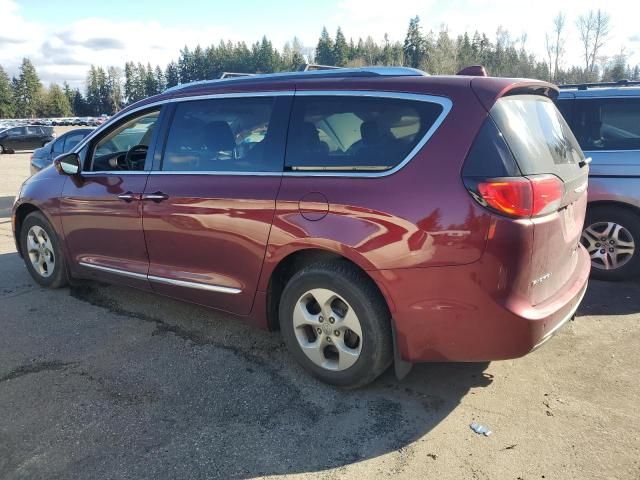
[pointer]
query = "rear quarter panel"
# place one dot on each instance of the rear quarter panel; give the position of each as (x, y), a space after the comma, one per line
(420, 216)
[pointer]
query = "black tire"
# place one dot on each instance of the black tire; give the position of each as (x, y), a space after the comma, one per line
(58, 278)
(630, 221)
(2, 150)
(360, 292)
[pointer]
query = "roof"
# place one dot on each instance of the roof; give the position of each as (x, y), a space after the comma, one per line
(325, 73)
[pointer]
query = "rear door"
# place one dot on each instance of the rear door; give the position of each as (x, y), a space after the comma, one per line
(542, 143)
(209, 203)
(33, 138)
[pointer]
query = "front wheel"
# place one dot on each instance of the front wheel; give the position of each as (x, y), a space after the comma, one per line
(336, 324)
(612, 238)
(41, 251)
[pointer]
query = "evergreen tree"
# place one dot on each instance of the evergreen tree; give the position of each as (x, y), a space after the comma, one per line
(172, 75)
(415, 44)
(340, 49)
(150, 82)
(160, 80)
(27, 91)
(324, 50)
(6, 95)
(55, 103)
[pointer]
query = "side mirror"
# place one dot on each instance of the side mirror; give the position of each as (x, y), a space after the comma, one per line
(68, 163)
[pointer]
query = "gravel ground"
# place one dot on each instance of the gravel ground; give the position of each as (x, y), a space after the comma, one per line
(102, 381)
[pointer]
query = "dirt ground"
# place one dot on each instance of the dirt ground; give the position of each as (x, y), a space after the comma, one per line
(102, 381)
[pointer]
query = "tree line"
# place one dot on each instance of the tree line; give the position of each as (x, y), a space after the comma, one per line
(107, 90)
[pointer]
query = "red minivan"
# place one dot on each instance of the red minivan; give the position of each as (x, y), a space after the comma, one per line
(374, 215)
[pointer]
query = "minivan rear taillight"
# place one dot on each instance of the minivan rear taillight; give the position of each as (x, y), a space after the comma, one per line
(520, 196)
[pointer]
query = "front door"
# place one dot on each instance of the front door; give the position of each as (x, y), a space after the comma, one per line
(209, 203)
(102, 210)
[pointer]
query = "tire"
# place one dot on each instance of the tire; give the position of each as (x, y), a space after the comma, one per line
(350, 293)
(52, 272)
(625, 235)
(1, 150)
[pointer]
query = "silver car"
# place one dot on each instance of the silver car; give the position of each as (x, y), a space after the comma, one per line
(605, 118)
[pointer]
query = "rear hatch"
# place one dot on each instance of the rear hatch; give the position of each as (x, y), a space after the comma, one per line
(531, 167)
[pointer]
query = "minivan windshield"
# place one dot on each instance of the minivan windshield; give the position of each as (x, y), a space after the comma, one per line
(538, 136)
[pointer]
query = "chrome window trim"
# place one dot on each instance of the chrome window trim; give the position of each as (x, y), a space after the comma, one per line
(115, 172)
(167, 281)
(444, 102)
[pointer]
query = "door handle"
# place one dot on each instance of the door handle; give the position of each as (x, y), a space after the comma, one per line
(156, 196)
(127, 196)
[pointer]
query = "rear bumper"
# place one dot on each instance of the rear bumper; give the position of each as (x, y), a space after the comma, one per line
(465, 314)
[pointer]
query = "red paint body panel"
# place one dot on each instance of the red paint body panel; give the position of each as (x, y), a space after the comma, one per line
(213, 230)
(103, 230)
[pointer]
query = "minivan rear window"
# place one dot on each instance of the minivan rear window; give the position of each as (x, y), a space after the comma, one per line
(355, 133)
(538, 136)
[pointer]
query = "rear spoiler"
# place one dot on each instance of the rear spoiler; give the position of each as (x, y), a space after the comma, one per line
(490, 89)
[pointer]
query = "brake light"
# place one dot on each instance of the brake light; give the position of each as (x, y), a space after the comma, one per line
(522, 196)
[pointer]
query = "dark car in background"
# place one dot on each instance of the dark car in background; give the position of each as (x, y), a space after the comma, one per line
(28, 137)
(43, 157)
(373, 215)
(605, 118)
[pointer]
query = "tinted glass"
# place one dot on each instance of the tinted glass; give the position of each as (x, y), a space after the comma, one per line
(537, 135)
(72, 140)
(58, 146)
(227, 135)
(565, 105)
(33, 131)
(608, 123)
(342, 133)
(114, 151)
(15, 132)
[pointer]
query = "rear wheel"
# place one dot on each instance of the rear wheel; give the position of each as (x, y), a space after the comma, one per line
(1, 149)
(336, 324)
(612, 238)
(41, 251)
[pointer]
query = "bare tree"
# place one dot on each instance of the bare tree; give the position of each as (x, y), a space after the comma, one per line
(594, 28)
(554, 44)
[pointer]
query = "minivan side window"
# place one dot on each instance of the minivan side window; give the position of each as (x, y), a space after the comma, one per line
(355, 133)
(124, 148)
(608, 123)
(242, 134)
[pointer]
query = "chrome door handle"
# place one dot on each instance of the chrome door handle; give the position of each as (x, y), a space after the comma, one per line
(127, 197)
(156, 196)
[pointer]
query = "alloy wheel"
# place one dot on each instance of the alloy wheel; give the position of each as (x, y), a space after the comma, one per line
(609, 244)
(327, 329)
(40, 251)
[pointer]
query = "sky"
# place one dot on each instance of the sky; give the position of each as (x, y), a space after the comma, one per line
(63, 38)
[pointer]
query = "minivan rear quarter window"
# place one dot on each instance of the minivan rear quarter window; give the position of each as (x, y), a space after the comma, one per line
(355, 133)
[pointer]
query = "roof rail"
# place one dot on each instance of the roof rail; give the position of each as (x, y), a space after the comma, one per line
(327, 73)
(314, 66)
(235, 75)
(585, 86)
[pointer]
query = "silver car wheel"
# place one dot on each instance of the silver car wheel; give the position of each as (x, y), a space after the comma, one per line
(40, 251)
(609, 244)
(327, 329)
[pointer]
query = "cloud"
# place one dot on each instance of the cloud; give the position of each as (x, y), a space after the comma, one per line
(96, 43)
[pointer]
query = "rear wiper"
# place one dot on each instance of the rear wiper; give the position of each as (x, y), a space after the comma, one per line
(584, 162)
